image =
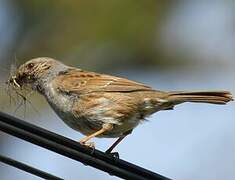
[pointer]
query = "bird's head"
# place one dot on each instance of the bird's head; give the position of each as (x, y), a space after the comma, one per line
(32, 71)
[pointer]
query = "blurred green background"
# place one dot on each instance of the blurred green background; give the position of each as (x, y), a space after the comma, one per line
(96, 34)
(170, 45)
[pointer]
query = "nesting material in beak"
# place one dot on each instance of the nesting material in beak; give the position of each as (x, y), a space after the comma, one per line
(12, 81)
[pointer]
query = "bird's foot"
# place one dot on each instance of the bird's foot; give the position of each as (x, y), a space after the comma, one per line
(88, 144)
(113, 154)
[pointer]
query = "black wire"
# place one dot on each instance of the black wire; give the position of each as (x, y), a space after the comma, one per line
(73, 150)
(28, 168)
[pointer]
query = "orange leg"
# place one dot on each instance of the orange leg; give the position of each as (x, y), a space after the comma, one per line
(105, 128)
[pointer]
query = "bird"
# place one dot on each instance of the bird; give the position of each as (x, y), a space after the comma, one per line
(101, 105)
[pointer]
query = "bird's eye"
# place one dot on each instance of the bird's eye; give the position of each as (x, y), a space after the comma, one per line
(30, 65)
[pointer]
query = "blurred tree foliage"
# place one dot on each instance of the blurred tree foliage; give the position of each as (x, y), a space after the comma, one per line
(91, 33)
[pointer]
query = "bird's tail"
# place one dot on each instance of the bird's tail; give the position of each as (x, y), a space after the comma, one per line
(214, 97)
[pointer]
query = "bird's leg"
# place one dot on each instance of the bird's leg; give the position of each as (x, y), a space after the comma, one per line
(109, 150)
(105, 128)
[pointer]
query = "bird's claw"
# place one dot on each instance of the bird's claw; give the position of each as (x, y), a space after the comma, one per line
(113, 154)
(88, 144)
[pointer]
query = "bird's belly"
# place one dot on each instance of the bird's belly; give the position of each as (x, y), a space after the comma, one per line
(79, 124)
(89, 126)
(89, 123)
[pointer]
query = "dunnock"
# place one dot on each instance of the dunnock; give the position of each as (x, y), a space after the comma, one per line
(100, 105)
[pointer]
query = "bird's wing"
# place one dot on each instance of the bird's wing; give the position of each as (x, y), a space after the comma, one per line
(78, 81)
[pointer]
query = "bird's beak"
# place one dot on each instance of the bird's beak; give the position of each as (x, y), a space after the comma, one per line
(13, 81)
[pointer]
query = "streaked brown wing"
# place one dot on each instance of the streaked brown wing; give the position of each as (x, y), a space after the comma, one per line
(78, 81)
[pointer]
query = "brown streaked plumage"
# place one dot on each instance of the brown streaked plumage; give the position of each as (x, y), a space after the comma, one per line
(100, 105)
(79, 81)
